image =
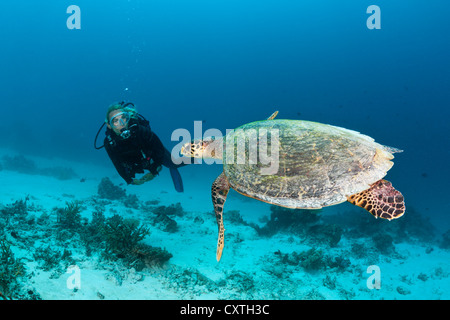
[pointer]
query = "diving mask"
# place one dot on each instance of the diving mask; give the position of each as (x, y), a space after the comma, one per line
(120, 120)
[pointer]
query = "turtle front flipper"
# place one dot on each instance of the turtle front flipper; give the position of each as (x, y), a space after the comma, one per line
(381, 200)
(219, 191)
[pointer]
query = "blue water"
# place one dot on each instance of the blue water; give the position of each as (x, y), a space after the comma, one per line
(230, 62)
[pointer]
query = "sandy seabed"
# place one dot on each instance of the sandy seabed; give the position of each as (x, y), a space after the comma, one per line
(253, 266)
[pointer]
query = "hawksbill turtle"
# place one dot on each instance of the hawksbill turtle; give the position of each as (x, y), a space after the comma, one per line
(318, 165)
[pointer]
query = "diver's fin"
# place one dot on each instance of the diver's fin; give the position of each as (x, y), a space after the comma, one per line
(381, 200)
(176, 178)
(219, 191)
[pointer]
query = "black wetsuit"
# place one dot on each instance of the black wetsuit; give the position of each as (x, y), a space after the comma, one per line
(142, 150)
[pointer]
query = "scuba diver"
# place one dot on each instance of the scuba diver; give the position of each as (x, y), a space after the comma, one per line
(132, 146)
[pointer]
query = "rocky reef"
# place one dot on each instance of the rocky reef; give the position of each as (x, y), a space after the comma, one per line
(302, 223)
(22, 164)
(59, 237)
(108, 190)
(11, 271)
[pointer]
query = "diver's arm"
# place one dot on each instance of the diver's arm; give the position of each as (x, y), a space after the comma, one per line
(121, 170)
(157, 155)
(153, 147)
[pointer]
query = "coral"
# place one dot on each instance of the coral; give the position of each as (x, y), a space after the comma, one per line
(123, 235)
(120, 238)
(131, 201)
(313, 295)
(304, 223)
(445, 241)
(312, 259)
(340, 263)
(277, 270)
(123, 240)
(49, 258)
(291, 220)
(91, 235)
(197, 278)
(243, 281)
(69, 217)
(144, 255)
(384, 243)
(412, 225)
(10, 270)
(107, 190)
(329, 282)
(440, 273)
(234, 216)
(98, 218)
(152, 202)
(422, 276)
(43, 219)
(403, 291)
(198, 220)
(165, 223)
(359, 250)
(20, 164)
(162, 219)
(172, 210)
(60, 173)
(416, 225)
(189, 281)
(329, 234)
(3, 225)
(16, 211)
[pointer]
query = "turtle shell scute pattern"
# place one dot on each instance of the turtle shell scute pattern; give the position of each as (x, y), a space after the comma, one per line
(318, 164)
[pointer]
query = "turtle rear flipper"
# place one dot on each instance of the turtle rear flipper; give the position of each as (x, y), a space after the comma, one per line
(381, 200)
(219, 191)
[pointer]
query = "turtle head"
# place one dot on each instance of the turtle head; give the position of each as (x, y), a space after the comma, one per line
(209, 147)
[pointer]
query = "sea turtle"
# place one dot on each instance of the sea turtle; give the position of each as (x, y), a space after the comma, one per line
(316, 165)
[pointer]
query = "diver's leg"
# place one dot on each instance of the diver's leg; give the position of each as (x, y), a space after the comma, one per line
(167, 161)
(176, 177)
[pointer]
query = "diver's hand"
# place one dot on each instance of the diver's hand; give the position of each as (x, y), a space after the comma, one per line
(144, 179)
(147, 177)
(137, 182)
(150, 176)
